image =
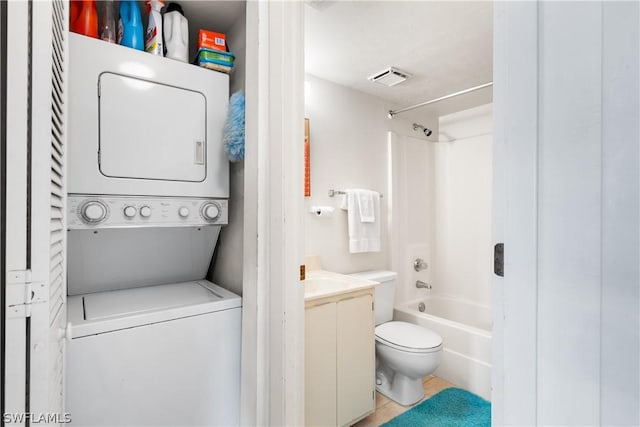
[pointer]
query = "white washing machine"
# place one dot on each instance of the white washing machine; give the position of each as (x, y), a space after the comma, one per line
(161, 355)
(152, 342)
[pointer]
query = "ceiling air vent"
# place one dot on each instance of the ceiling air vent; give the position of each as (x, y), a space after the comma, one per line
(390, 77)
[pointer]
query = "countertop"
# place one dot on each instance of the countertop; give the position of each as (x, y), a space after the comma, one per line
(322, 284)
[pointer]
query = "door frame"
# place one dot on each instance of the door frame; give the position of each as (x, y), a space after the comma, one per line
(515, 213)
(15, 236)
(273, 295)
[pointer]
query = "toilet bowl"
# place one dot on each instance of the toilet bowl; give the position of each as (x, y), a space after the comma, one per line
(405, 354)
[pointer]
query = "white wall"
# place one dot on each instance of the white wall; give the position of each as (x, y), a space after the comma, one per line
(462, 259)
(568, 128)
(349, 149)
(227, 270)
(413, 213)
(442, 208)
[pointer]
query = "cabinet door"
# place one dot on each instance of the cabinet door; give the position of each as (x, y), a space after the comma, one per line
(356, 358)
(320, 366)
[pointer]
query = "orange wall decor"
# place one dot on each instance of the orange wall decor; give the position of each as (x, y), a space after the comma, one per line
(307, 160)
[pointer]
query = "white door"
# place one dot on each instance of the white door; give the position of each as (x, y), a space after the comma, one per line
(34, 218)
(567, 312)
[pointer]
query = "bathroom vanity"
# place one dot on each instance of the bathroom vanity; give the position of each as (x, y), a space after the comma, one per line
(339, 349)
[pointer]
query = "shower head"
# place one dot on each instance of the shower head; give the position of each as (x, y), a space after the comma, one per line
(426, 131)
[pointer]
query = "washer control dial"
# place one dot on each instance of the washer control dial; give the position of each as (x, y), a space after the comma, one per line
(130, 211)
(210, 211)
(145, 211)
(93, 212)
(183, 212)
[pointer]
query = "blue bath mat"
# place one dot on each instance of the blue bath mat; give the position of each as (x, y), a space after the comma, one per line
(452, 407)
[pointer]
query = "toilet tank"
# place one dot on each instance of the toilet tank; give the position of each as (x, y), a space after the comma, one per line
(384, 293)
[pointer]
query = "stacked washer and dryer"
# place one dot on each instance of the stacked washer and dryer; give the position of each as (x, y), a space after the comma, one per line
(151, 341)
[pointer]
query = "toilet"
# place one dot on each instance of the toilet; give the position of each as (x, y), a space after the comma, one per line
(405, 353)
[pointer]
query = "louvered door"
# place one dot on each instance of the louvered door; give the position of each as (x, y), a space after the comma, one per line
(48, 193)
(35, 210)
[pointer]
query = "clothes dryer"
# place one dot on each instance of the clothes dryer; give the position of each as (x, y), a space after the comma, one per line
(143, 125)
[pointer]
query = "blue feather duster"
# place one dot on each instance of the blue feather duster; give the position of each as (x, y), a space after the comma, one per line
(233, 137)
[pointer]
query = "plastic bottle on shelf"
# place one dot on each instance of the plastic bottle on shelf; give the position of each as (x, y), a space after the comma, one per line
(153, 41)
(108, 21)
(83, 18)
(130, 31)
(176, 33)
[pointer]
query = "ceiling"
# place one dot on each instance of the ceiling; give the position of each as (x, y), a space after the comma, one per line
(445, 45)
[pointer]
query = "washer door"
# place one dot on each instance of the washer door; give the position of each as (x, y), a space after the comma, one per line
(150, 130)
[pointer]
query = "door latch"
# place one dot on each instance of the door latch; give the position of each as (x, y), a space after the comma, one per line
(498, 259)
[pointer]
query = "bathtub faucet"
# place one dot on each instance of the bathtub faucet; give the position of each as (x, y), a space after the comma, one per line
(421, 284)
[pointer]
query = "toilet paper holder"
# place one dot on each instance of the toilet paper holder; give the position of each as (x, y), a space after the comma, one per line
(321, 210)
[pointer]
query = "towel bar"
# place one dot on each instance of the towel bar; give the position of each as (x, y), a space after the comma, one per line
(333, 192)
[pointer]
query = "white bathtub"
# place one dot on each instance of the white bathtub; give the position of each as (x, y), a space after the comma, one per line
(465, 328)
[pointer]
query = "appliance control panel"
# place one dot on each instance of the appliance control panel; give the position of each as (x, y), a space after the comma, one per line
(87, 211)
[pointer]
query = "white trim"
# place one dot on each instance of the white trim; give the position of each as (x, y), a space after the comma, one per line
(273, 298)
(252, 410)
(291, 31)
(515, 212)
(16, 196)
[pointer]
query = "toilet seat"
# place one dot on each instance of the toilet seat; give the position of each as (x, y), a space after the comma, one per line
(408, 337)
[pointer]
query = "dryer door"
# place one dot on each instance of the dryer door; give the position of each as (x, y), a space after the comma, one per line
(150, 130)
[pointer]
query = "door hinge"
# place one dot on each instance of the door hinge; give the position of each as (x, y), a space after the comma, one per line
(22, 293)
(498, 259)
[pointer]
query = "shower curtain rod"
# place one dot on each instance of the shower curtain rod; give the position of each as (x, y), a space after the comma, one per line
(442, 98)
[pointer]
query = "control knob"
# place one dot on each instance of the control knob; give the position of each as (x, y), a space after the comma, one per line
(130, 211)
(210, 211)
(145, 211)
(183, 212)
(93, 212)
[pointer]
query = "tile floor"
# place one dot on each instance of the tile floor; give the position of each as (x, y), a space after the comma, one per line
(387, 409)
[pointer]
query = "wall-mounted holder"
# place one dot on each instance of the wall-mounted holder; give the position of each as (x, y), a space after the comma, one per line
(321, 210)
(333, 193)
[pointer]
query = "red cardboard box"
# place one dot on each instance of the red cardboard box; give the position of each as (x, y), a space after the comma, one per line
(211, 40)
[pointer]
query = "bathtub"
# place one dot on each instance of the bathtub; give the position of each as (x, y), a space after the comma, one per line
(465, 328)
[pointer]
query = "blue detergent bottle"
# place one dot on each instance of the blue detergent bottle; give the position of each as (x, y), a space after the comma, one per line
(130, 31)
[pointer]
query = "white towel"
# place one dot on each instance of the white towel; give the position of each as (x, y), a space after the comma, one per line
(366, 204)
(363, 236)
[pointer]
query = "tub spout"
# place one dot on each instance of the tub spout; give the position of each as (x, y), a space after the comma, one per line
(421, 284)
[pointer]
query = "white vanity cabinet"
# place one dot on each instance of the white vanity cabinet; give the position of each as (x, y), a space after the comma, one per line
(339, 358)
